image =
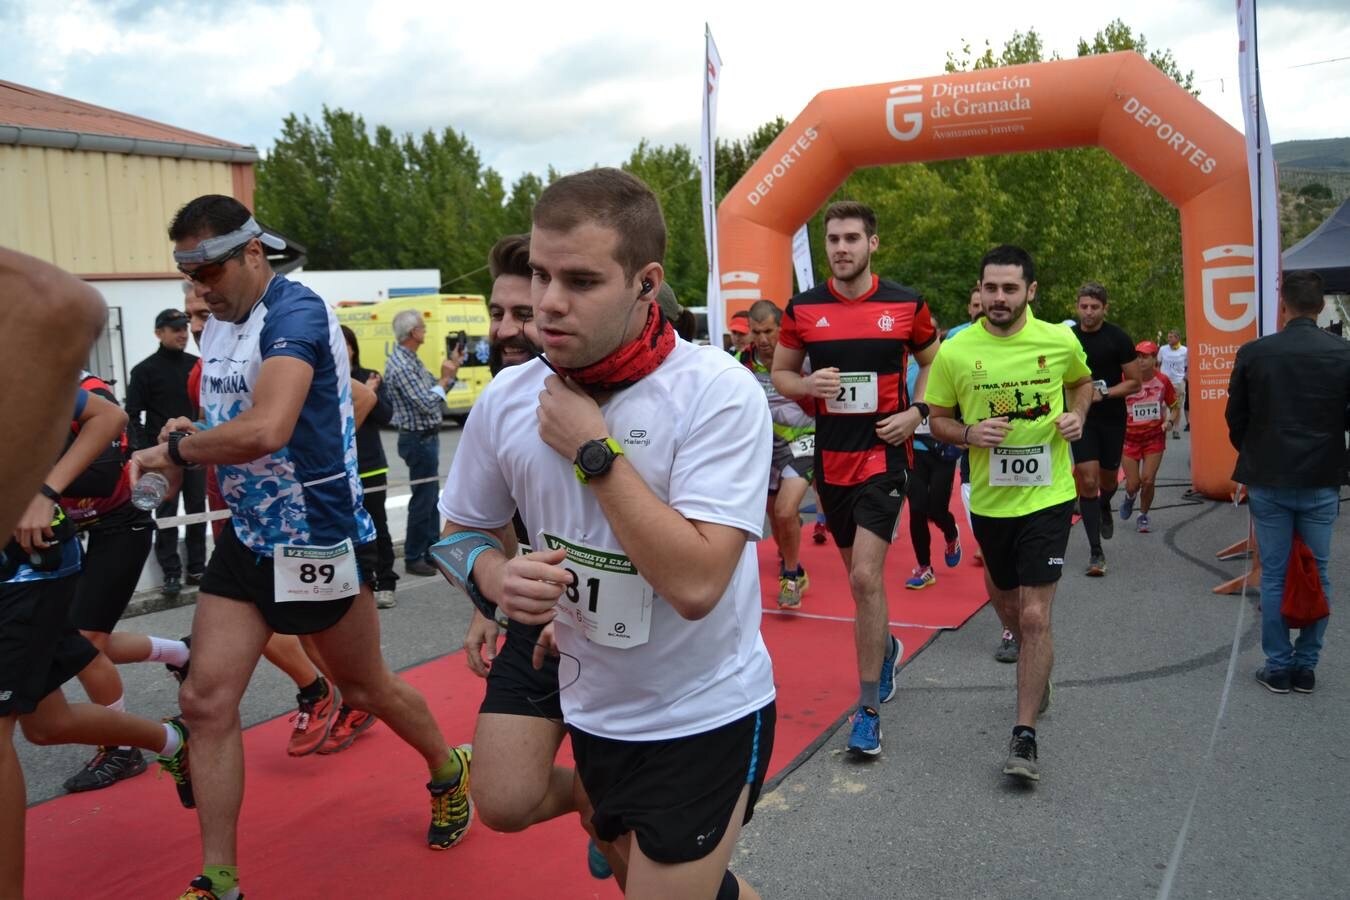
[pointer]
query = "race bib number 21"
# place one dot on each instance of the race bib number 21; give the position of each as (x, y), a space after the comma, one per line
(857, 394)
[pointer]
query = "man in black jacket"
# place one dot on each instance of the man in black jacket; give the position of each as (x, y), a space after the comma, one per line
(1287, 402)
(158, 389)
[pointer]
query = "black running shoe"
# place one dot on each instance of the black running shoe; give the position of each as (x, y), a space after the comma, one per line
(177, 765)
(1022, 758)
(181, 672)
(109, 766)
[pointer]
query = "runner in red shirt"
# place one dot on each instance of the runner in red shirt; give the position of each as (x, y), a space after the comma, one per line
(1148, 414)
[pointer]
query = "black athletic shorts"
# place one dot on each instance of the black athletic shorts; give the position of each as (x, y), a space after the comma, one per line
(1101, 441)
(874, 505)
(238, 573)
(676, 796)
(39, 650)
(116, 550)
(514, 686)
(1025, 549)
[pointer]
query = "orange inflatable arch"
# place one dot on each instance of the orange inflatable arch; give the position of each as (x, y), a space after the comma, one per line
(1119, 102)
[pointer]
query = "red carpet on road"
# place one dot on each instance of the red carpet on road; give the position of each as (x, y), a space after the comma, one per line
(353, 825)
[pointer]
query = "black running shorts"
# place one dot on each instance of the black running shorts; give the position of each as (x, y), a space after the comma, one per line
(113, 559)
(39, 650)
(1025, 550)
(874, 505)
(1101, 441)
(514, 686)
(676, 796)
(238, 573)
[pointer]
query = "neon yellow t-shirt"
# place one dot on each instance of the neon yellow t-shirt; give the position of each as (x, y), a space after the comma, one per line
(1022, 377)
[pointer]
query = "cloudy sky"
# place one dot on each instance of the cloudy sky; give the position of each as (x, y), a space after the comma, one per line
(534, 83)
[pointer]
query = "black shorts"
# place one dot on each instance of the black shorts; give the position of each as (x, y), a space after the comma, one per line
(238, 573)
(39, 650)
(676, 796)
(113, 559)
(874, 505)
(514, 686)
(1025, 550)
(1101, 441)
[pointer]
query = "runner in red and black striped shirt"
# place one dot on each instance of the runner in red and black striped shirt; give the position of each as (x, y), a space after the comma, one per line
(859, 332)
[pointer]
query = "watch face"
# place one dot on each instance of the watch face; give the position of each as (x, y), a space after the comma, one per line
(593, 457)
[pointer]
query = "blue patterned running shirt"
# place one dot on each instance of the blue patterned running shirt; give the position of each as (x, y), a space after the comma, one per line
(308, 492)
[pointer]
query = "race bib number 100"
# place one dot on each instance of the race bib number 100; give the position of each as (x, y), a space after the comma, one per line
(301, 573)
(607, 601)
(857, 394)
(1019, 466)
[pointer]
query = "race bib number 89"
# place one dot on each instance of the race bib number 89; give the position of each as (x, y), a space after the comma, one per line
(857, 394)
(607, 600)
(302, 573)
(1019, 466)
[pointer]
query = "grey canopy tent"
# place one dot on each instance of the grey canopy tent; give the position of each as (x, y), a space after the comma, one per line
(1326, 251)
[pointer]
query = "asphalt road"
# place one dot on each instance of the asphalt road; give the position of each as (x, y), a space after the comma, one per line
(1142, 658)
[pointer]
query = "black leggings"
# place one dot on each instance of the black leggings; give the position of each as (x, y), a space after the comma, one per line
(385, 576)
(930, 494)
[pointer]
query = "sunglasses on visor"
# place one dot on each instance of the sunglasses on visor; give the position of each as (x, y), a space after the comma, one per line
(210, 272)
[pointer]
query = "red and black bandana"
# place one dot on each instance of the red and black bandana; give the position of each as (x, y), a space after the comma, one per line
(632, 362)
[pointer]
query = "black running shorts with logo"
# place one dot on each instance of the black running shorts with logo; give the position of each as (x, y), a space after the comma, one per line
(238, 573)
(1025, 550)
(676, 796)
(39, 650)
(1101, 441)
(514, 686)
(118, 546)
(874, 505)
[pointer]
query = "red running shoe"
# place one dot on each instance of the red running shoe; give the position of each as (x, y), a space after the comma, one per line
(312, 721)
(347, 727)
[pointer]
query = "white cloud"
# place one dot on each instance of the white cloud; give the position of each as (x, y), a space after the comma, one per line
(534, 84)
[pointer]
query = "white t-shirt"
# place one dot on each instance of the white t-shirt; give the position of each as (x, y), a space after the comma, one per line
(1173, 362)
(697, 431)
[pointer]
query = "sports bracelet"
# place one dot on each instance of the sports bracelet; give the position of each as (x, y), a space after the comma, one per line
(47, 491)
(455, 556)
(966, 437)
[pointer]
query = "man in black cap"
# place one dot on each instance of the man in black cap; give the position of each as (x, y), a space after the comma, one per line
(158, 392)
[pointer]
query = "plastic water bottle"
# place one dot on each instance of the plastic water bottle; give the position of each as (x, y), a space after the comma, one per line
(149, 492)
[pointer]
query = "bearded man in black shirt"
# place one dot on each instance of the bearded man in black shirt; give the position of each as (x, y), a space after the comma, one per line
(1096, 455)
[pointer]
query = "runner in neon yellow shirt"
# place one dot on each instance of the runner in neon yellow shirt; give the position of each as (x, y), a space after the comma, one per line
(1009, 375)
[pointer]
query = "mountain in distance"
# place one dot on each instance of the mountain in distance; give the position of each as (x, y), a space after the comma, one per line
(1331, 154)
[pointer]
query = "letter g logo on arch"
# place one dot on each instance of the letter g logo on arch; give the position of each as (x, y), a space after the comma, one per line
(904, 95)
(1243, 300)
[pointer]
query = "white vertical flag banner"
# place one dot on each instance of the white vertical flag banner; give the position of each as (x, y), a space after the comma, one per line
(1261, 173)
(712, 73)
(801, 261)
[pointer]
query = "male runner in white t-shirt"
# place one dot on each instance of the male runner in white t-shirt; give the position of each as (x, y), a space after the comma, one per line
(640, 464)
(1172, 360)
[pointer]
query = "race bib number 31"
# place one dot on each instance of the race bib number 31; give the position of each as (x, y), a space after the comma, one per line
(857, 394)
(1019, 466)
(607, 601)
(301, 573)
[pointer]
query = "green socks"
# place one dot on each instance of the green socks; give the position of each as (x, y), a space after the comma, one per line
(448, 771)
(223, 878)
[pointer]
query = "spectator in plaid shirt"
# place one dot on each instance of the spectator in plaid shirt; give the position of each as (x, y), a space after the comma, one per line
(418, 399)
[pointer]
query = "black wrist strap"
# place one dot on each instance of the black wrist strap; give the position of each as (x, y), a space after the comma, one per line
(47, 491)
(175, 455)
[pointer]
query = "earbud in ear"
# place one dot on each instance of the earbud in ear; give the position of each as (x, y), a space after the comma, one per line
(646, 288)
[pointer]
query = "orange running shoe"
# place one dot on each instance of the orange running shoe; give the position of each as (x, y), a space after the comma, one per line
(347, 727)
(312, 722)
